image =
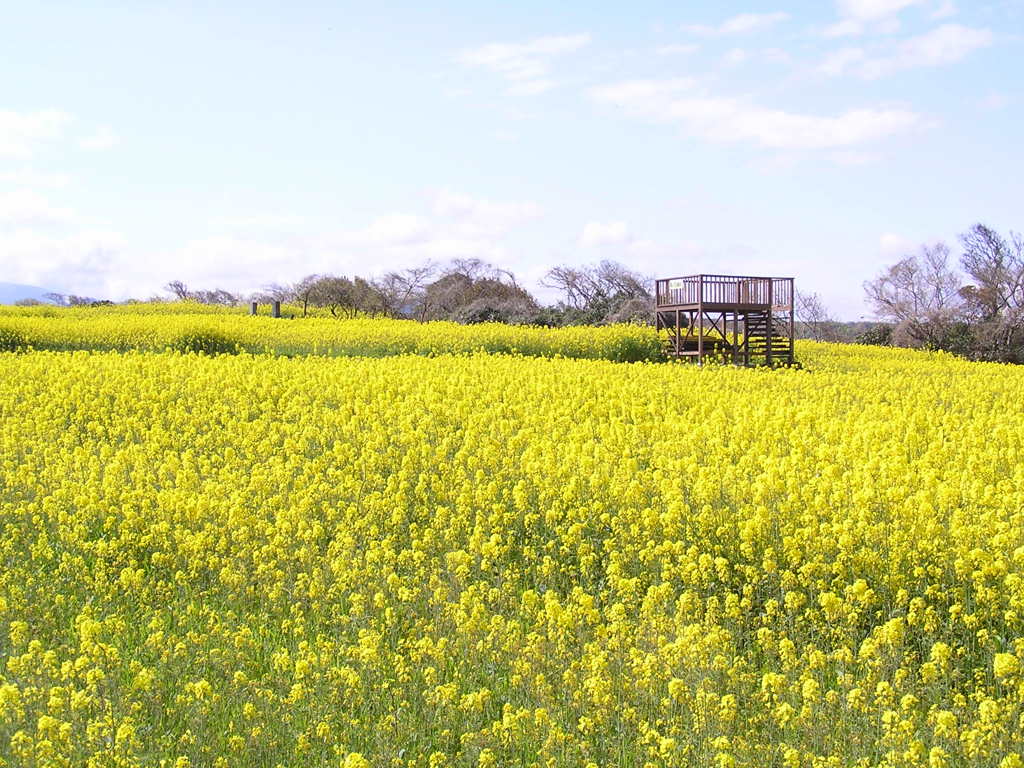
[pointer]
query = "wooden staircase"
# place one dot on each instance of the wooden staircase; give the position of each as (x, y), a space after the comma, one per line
(768, 338)
(760, 341)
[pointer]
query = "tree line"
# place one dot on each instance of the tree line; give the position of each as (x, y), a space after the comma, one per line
(972, 306)
(463, 291)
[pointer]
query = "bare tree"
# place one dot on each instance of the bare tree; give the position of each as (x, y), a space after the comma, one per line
(181, 292)
(996, 266)
(401, 291)
(472, 290)
(617, 280)
(574, 283)
(274, 292)
(214, 296)
(812, 316)
(920, 294)
(599, 291)
(74, 300)
(995, 296)
(178, 289)
(304, 291)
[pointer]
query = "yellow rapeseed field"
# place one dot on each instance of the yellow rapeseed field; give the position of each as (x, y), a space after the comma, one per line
(186, 326)
(499, 560)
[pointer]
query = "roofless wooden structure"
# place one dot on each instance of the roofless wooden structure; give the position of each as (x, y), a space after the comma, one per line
(738, 319)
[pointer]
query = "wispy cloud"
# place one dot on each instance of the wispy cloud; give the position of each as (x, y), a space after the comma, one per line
(481, 216)
(525, 65)
(842, 61)
(29, 178)
(995, 100)
(22, 132)
(22, 208)
(677, 49)
(946, 44)
(859, 16)
(742, 24)
(873, 10)
(735, 57)
(62, 250)
(724, 119)
(599, 233)
(103, 138)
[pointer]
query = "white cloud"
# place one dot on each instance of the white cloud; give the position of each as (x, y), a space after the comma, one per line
(394, 229)
(943, 45)
(892, 247)
(633, 95)
(599, 233)
(23, 209)
(21, 132)
(873, 10)
(532, 87)
(854, 158)
(677, 49)
(995, 100)
(525, 65)
(735, 57)
(881, 16)
(776, 55)
(842, 61)
(844, 28)
(29, 178)
(42, 244)
(45, 244)
(478, 214)
(259, 225)
(744, 23)
(735, 120)
(81, 262)
(946, 44)
(102, 138)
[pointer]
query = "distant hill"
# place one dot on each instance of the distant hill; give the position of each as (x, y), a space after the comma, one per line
(12, 292)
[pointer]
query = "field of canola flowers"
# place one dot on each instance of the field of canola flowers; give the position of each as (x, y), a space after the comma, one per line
(186, 326)
(484, 560)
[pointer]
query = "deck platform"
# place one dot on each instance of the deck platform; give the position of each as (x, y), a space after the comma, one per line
(738, 319)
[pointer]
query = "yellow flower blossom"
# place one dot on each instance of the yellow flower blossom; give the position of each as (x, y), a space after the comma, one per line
(428, 555)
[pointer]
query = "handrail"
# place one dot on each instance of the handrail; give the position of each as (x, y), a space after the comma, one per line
(725, 289)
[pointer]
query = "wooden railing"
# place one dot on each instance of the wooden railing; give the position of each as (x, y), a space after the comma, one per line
(725, 289)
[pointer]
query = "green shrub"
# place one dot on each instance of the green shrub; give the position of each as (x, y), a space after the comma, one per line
(205, 342)
(12, 340)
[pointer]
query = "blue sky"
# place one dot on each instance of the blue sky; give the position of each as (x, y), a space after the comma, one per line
(241, 144)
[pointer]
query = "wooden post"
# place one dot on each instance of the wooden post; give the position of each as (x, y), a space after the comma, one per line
(700, 320)
(277, 309)
(746, 338)
(253, 308)
(792, 313)
(735, 336)
(768, 330)
(678, 333)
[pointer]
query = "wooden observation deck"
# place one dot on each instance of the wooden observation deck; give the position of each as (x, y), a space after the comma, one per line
(730, 318)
